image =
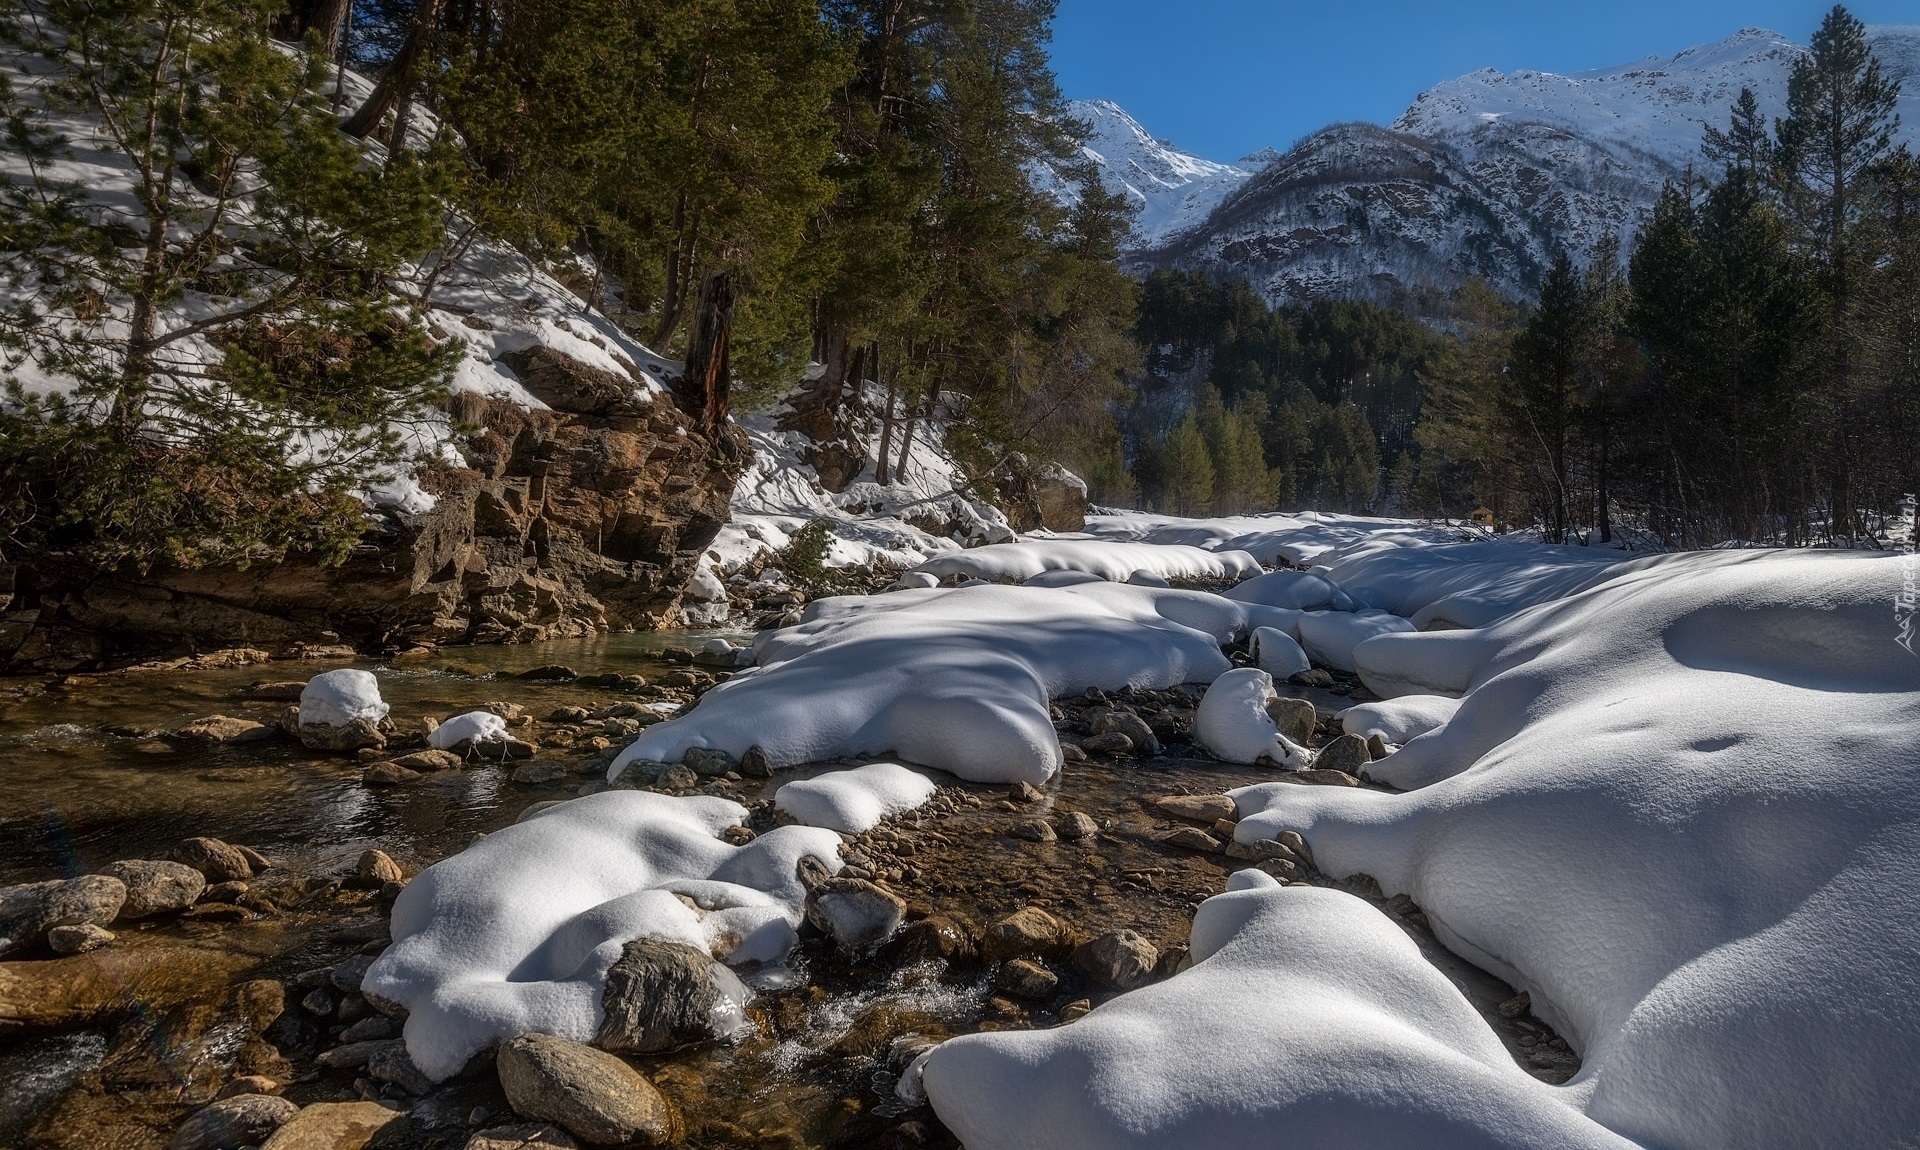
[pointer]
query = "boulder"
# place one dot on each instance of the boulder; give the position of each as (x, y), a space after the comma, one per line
(1347, 754)
(707, 761)
(333, 1126)
(341, 738)
(224, 729)
(593, 1095)
(78, 938)
(376, 868)
(1024, 978)
(854, 912)
(1296, 718)
(662, 995)
(1121, 959)
(156, 886)
(1132, 726)
(218, 861)
(29, 911)
(1199, 808)
(234, 1122)
(1026, 933)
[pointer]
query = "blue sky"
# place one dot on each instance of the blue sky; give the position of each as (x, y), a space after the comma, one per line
(1222, 78)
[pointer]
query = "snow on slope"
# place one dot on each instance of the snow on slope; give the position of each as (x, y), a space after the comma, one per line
(1172, 189)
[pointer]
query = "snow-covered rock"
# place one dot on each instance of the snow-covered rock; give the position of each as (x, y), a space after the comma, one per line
(954, 678)
(1299, 590)
(1232, 721)
(1278, 653)
(1399, 720)
(336, 698)
(1329, 637)
(474, 727)
(854, 800)
(517, 932)
(1117, 562)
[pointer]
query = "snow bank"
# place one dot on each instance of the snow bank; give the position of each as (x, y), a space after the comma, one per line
(1116, 562)
(954, 678)
(1681, 810)
(336, 698)
(1308, 1019)
(1299, 538)
(516, 932)
(1470, 584)
(1300, 590)
(1330, 636)
(1232, 721)
(472, 727)
(855, 800)
(1278, 653)
(1400, 719)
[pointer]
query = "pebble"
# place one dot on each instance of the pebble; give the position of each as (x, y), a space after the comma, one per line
(376, 868)
(1200, 808)
(1190, 838)
(78, 938)
(1111, 743)
(1027, 932)
(1122, 959)
(1078, 825)
(1024, 978)
(1033, 830)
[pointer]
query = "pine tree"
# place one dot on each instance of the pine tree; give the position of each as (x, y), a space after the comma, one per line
(234, 358)
(1186, 469)
(1540, 395)
(1745, 146)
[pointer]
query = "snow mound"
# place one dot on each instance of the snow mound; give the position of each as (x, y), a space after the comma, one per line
(1299, 538)
(1299, 590)
(1330, 636)
(1232, 721)
(472, 727)
(336, 698)
(953, 678)
(516, 932)
(854, 801)
(1401, 719)
(1308, 1019)
(1115, 562)
(1695, 789)
(1278, 653)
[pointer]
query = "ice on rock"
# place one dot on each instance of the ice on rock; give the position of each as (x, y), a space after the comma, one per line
(1299, 590)
(1308, 1019)
(1329, 637)
(1278, 653)
(472, 727)
(1401, 719)
(954, 678)
(1682, 811)
(516, 933)
(1112, 561)
(855, 800)
(1232, 721)
(336, 698)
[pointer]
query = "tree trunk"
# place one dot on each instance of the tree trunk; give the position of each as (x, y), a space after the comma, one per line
(326, 17)
(881, 470)
(708, 374)
(395, 89)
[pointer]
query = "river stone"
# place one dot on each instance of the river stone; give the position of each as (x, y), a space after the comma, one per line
(1318, 778)
(1132, 726)
(754, 764)
(78, 938)
(376, 868)
(663, 995)
(347, 737)
(156, 886)
(592, 1094)
(936, 939)
(29, 911)
(522, 1138)
(551, 673)
(1296, 718)
(387, 775)
(1377, 746)
(332, 1126)
(353, 1054)
(393, 1065)
(1199, 808)
(369, 1029)
(1312, 677)
(248, 1084)
(1347, 754)
(230, 1123)
(543, 771)
(1025, 792)
(1121, 959)
(854, 912)
(1033, 830)
(430, 760)
(1111, 743)
(1078, 825)
(285, 691)
(1190, 838)
(1024, 933)
(1024, 978)
(675, 777)
(224, 729)
(219, 861)
(707, 761)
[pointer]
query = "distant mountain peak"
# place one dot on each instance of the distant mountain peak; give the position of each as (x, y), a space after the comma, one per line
(1173, 189)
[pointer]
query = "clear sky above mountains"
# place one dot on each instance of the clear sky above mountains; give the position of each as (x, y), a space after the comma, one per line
(1222, 78)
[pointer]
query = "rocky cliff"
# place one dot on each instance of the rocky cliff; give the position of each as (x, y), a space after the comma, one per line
(586, 517)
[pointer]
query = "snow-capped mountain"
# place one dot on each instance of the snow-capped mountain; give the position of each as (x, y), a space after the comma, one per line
(1489, 173)
(1173, 189)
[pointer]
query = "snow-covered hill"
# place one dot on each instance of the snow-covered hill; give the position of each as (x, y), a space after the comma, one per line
(1174, 190)
(1488, 173)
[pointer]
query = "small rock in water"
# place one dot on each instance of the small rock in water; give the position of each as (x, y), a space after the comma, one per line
(676, 777)
(754, 764)
(29, 911)
(1190, 838)
(1072, 754)
(218, 861)
(662, 995)
(156, 887)
(568, 715)
(1296, 718)
(1132, 726)
(1033, 830)
(543, 771)
(238, 1120)
(1314, 677)
(1121, 959)
(707, 761)
(1377, 746)
(387, 774)
(346, 737)
(1199, 808)
(592, 1094)
(935, 939)
(376, 868)
(854, 912)
(1078, 825)
(524, 1137)
(1111, 743)
(229, 891)
(1024, 978)
(1025, 792)
(78, 938)
(220, 729)
(1027, 932)
(551, 673)
(248, 1084)
(1078, 1008)
(1347, 754)
(333, 1126)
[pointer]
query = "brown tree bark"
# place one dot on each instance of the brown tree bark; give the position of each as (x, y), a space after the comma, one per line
(327, 17)
(708, 377)
(394, 92)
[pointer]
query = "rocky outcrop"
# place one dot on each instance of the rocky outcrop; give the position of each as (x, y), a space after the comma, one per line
(1046, 495)
(584, 518)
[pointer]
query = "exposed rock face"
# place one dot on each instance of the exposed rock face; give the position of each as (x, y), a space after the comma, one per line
(1040, 495)
(565, 522)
